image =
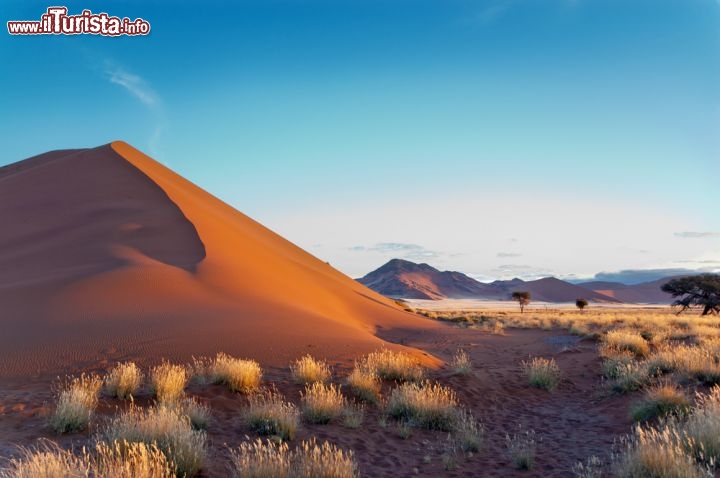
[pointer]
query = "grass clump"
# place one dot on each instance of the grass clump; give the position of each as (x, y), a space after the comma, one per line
(167, 382)
(389, 365)
(703, 427)
(239, 375)
(469, 432)
(425, 405)
(322, 403)
(364, 383)
(116, 460)
(522, 447)
(629, 340)
(630, 377)
(656, 452)
(310, 370)
(166, 428)
(591, 468)
(124, 380)
(461, 363)
(661, 401)
(76, 402)
(353, 416)
(542, 373)
(199, 414)
(269, 414)
(309, 460)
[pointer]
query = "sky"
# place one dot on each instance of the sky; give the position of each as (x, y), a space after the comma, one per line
(501, 138)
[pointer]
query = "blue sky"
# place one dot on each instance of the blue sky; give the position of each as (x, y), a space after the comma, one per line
(502, 138)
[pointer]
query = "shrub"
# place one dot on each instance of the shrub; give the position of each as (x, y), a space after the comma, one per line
(364, 383)
(124, 380)
(238, 374)
(76, 401)
(661, 401)
(652, 452)
(167, 381)
(168, 429)
(309, 460)
(389, 365)
(424, 405)
(522, 447)
(130, 460)
(627, 340)
(309, 370)
(269, 414)
(461, 363)
(322, 403)
(469, 432)
(542, 373)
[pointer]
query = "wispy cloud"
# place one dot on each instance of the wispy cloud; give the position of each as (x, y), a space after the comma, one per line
(133, 83)
(508, 254)
(696, 234)
(400, 249)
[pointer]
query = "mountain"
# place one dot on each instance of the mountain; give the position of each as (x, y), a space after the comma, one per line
(551, 289)
(107, 255)
(643, 293)
(404, 279)
(399, 278)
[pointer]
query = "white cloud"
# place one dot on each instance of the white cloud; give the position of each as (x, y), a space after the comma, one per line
(134, 84)
(696, 234)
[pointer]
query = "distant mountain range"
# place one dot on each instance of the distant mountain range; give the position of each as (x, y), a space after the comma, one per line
(405, 279)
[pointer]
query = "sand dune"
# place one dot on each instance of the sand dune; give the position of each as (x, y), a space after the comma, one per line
(109, 255)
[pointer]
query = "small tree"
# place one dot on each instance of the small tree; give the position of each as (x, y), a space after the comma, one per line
(702, 290)
(522, 298)
(581, 304)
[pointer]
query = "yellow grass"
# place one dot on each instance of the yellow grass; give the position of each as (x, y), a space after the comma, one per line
(661, 401)
(364, 383)
(167, 381)
(165, 427)
(629, 340)
(425, 405)
(322, 403)
(270, 414)
(389, 365)
(76, 402)
(309, 370)
(240, 375)
(309, 460)
(542, 373)
(461, 363)
(124, 380)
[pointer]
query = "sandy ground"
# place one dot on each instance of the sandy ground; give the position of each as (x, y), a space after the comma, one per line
(573, 422)
(479, 304)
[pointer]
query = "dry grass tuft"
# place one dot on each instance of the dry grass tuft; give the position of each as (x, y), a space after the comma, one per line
(76, 402)
(269, 414)
(322, 403)
(703, 428)
(239, 375)
(542, 373)
(124, 380)
(627, 339)
(131, 460)
(522, 447)
(353, 416)
(309, 460)
(591, 468)
(310, 370)
(461, 363)
(661, 401)
(199, 414)
(469, 432)
(168, 381)
(389, 365)
(165, 427)
(425, 405)
(364, 383)
(47, 460)
(630, 377)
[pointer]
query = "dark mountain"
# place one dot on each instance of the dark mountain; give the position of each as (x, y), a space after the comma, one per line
(551, 289)
(644, 293)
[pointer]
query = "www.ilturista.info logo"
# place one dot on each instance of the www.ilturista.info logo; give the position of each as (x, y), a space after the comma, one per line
(57, 22)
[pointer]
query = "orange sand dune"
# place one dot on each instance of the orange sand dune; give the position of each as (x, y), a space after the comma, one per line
(107, 255)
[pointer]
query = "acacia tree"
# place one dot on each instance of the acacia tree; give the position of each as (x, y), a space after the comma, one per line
(702, 290)
(581, 304)
(522, 298)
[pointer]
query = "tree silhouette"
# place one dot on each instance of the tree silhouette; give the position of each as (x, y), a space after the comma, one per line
(702, 290)
(522, 298)
(581, 304)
